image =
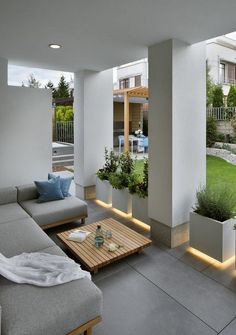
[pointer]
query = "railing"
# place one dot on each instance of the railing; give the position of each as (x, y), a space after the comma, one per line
(65, 131)
(221, 113)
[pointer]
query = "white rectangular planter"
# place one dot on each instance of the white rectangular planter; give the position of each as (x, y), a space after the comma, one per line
(103, 191)
(214, 238)
(140, 208)
(122, 200)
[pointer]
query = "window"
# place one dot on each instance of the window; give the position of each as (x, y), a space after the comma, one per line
(138, 80)
(231, 73)
(134, 81)
(124, 83)
(222, 73)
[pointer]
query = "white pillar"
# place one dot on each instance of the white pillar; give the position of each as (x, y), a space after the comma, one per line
(93, 126)
(3, 72)
(177, 133)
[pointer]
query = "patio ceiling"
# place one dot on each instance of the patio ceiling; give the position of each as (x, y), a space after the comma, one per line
(98, 35)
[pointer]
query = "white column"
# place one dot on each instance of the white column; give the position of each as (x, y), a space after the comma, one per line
(177, 133)
(93, 126)
(3, 72)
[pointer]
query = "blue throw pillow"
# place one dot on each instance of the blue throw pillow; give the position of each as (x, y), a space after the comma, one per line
(49, 190)
(65, 183)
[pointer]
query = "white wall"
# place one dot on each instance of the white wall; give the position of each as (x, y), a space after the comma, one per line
(134, 69)
(25, 135)
(93, 108)
(177, 129)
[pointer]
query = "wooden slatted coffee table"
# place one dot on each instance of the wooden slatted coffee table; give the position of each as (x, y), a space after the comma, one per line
(95, 258)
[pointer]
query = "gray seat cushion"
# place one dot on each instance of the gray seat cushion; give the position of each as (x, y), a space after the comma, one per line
(31, 310)
(12, 211)
(22, 235)
(55, 211)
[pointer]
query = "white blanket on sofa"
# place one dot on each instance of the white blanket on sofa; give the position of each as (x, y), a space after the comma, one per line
(40, 269)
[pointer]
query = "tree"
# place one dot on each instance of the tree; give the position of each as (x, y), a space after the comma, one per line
(32, 82)
(231, 99)
(63, 89)
(211, 131)
(209, 87)
(218, 96)
(50, 86)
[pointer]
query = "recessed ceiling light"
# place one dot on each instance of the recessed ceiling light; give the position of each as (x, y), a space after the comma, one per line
(54, 46)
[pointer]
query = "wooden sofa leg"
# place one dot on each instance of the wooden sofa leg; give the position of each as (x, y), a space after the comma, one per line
(88, 332)
(83, 221)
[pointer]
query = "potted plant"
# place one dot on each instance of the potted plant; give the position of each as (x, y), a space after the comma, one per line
(121, 198)
(138, 187)
(103, 187)
(212, 222)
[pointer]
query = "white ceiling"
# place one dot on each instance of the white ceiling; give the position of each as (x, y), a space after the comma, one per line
(100, 34)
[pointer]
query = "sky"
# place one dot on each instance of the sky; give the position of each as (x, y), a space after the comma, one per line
(19, 74)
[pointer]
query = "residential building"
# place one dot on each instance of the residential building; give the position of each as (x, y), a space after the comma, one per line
(130, 75)
(221, 58)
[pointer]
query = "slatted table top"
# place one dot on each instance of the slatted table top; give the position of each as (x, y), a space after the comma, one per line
(94, 258)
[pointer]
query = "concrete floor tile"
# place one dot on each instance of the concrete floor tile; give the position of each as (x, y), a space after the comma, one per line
(210, 301)
(224, 274)
(134, 306)
(230, 329)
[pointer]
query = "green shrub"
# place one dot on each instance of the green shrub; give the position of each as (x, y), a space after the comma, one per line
(215, 203)
(64, 113)
(231, 98)
(140, 187)
(110, 166)
(218, 96)
(211, 131)
(220, 137)
(126, 163)
(119, 180)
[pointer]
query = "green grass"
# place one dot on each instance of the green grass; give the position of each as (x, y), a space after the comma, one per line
(138, 166)
(219, 172)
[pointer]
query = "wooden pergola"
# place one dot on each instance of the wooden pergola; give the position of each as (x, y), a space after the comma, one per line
(135, 92)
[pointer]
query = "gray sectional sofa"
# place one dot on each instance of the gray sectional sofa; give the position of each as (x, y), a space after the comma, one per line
(71, 308)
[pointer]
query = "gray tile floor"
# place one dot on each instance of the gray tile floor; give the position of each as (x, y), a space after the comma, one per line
(163, 291)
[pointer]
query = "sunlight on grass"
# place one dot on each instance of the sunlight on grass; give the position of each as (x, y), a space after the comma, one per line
(221, 173)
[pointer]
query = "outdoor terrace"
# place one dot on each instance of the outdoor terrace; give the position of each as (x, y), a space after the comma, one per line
(163, 291)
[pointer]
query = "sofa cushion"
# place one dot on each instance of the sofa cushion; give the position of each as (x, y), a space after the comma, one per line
(12, 211)
(22, 235)
(27, 192)
(8, 195)
(55, 211)
(49, 190)
(57, 310)
(65, 183)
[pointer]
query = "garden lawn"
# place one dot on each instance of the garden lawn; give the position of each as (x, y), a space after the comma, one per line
(219, 172)
(138, 166)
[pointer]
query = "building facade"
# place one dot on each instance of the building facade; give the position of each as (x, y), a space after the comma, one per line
(221, 58)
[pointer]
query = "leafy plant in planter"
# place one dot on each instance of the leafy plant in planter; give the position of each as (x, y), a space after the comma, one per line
(138, 185)
(110, 166)
(217, 203)
(120, 178)
(212, 222)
